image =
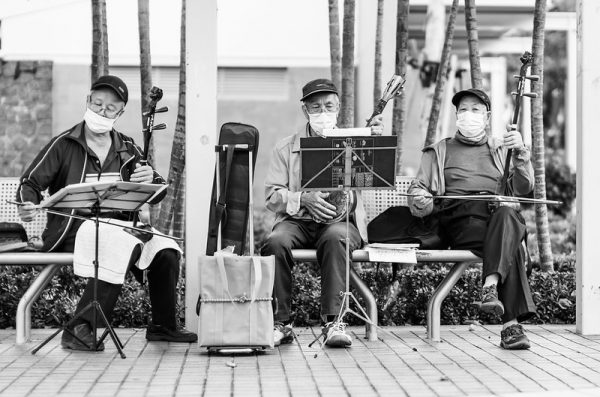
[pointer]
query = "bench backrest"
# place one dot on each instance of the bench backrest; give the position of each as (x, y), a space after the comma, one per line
(9, 213)
(377, 201)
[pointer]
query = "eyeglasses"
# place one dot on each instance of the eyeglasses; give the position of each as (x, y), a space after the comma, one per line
(316, 108)
(110, 111)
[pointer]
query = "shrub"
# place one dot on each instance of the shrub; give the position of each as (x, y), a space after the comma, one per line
(560, 182)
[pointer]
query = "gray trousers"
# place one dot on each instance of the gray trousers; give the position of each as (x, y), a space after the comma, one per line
(329, 240)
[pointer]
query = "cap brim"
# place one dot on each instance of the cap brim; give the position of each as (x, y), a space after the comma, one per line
(318, 91)
(116, 91)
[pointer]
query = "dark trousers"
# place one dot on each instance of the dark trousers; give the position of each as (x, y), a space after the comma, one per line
(498, 237)
(329, 240)
(163, 274)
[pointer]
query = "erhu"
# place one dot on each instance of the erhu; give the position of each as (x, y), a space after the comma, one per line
(155, 95)
(522, 77)
(338, 198)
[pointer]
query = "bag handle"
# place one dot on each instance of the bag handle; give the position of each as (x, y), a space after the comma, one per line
(257, 276)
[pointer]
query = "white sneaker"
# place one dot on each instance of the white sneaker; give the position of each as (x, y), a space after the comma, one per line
(282, 333)
(336, 335)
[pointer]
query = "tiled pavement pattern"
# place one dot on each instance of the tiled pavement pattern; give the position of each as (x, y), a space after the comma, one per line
(559, 364)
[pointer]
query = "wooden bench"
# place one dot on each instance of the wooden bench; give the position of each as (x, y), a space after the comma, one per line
(375, 202)
(52, 261)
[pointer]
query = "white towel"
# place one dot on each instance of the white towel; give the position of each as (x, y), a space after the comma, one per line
(115, 247)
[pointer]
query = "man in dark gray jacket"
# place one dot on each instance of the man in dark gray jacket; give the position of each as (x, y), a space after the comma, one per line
(94, 151)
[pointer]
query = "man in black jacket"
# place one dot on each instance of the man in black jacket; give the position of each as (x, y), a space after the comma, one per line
(94, 151)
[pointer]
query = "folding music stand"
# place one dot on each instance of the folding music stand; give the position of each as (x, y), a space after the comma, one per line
(348, 163)
(96, 197)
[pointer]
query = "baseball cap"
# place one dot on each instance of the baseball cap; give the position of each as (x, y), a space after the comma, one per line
(114, 83)
(318, 85)
(473, 92)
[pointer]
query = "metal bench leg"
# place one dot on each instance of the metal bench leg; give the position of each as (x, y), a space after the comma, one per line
(435, 302)
(23, 319)
(365, 292)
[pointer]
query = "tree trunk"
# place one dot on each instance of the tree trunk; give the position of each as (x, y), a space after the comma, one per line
(346, 118)
(146, 78)
(334, 44)
(377, 66)
(441, 77)
(399, 109)
(537, 127)
(473, 42)
(99, 40)
(174, 197)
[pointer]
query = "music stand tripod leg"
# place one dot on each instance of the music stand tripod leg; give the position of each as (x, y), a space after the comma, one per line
(94, 305)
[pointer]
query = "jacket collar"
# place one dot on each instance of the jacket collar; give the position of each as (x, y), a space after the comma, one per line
(300, 134)
(77, 133)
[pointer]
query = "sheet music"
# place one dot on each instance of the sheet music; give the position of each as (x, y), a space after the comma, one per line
(361, 131)
(395, 253)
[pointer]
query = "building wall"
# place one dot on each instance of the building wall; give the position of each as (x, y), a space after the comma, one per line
(25, 113)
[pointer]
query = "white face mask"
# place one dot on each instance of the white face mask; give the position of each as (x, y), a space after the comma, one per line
(471, 125)
(97, 123)
(321, 121)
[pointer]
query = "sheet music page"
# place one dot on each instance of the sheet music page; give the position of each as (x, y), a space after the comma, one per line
(395, 253)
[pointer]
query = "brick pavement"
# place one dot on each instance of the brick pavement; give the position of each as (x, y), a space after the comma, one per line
(559, 364)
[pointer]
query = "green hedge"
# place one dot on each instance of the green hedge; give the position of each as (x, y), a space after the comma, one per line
(553, 293)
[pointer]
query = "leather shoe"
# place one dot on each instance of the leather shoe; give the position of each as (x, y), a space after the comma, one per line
(83, 332)
(160, 333)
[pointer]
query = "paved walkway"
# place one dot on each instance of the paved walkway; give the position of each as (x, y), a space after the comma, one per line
(467, 362)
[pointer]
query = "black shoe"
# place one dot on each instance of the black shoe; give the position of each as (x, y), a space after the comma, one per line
(83, 332)
(160, 333)
(490, 302)
(514, 338)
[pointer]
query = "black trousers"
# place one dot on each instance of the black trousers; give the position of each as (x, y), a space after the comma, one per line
(498, 237)
(329, 240)
(163, 274)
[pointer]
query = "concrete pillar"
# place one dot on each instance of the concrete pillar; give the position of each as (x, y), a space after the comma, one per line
(201, 137)
(588, 188)
(571, 102)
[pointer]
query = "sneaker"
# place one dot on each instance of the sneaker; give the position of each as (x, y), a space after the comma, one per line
(156, 333)
(335, 335)
(83, 332)
(490, 302)
(282, 334)
(514, 338)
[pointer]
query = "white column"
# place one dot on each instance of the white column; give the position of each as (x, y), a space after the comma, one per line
(201, 133)
(571, 102)
(588, 188)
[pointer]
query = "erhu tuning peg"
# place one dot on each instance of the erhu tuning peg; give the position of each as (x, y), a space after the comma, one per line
(162, 110)
(160, 126)
(531, 95)
(533, 77)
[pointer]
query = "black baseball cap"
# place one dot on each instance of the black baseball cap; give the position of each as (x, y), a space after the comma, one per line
(318, 85)
(472, 92)
(114, 83)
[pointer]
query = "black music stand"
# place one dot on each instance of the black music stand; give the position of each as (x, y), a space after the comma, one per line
(348, 163)
(96, 197)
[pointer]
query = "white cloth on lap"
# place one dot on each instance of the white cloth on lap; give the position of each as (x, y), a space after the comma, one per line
(115, 247)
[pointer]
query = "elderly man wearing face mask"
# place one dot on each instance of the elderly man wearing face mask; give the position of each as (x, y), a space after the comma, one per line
(472, 162)
(301, 218)
(90, 151)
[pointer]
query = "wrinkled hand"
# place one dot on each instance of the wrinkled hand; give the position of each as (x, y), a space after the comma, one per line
(513, 138)
(422, 202)
(142, 174)
(376, 125)
(507, 201)
(317, 207)
(27, 211)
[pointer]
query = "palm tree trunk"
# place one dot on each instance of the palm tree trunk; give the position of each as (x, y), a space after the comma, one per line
(399, 109)
(174, 197)
(99, 40)
(441, 77)
(334, 44)
(347, 99)
(377, 66)
(537, 126)
(473, 43)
